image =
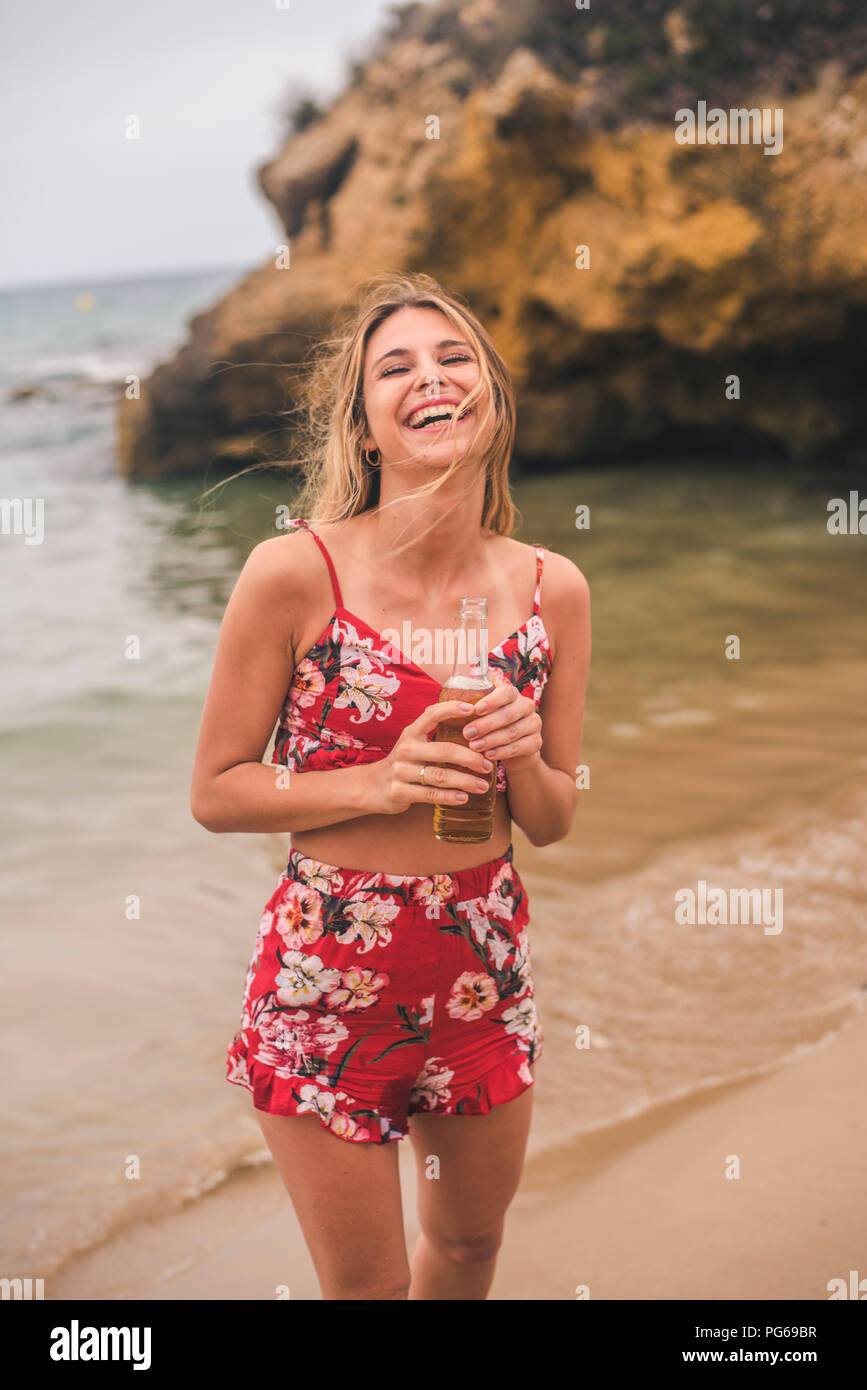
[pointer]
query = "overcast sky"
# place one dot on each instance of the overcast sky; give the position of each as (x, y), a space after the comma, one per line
(206, 79)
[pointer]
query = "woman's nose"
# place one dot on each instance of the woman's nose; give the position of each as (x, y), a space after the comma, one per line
(429, 381)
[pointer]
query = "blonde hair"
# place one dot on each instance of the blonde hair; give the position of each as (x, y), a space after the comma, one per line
(339, 480)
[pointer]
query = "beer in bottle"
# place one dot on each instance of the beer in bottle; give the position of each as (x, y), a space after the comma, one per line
(472, 821)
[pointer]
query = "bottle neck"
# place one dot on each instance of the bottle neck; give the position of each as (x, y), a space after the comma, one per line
(470, 666)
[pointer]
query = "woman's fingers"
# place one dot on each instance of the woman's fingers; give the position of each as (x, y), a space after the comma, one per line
(501, 742)
(522, 748)
(510, 710)
(424, 751)
(448, 768)
(434, 714)
(440, 775)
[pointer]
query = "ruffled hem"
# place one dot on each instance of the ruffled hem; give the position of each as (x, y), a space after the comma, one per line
(506, 1082)
(305, 1095)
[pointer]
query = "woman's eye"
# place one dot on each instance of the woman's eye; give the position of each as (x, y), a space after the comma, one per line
(455, 357)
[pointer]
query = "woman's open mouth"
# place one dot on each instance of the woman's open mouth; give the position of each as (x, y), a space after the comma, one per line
(437, 420)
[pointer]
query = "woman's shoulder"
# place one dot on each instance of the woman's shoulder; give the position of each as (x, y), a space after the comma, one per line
(562, 593)
(562, 580)
(282, 560)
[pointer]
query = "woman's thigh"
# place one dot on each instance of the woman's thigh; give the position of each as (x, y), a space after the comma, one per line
(463, 1198)
(347, 1199)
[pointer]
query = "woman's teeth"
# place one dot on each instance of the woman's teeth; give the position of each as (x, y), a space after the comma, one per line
(437, 424)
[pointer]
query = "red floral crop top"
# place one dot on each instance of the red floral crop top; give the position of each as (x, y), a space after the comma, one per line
(354, 692)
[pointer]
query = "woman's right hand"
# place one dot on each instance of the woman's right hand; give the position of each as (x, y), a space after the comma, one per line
(397, 775)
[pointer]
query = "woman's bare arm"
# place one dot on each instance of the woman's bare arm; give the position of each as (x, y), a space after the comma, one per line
(231, 787)
(542, 793)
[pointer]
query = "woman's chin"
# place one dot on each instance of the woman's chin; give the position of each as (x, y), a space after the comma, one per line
(438, 453)
(438, 457)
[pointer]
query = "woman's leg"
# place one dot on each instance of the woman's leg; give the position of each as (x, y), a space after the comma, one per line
(347, 1200)
(462, 1211)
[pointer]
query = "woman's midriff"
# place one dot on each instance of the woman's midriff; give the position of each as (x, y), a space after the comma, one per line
(402, 844)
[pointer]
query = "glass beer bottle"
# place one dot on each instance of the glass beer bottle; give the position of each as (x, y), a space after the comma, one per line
(471, 821)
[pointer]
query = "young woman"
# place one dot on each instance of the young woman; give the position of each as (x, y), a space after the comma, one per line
(390, 989)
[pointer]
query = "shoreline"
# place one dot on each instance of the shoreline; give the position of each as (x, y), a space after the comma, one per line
(637, 1209)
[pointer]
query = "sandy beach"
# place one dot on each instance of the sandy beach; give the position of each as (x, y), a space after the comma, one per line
(642, 1209)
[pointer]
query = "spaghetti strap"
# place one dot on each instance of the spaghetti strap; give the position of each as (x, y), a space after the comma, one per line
(338, 598)
(301, 524)
(540, 558)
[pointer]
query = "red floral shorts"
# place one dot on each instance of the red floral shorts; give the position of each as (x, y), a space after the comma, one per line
(371, 996)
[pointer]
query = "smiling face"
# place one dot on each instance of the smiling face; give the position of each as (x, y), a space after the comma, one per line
(418, 368)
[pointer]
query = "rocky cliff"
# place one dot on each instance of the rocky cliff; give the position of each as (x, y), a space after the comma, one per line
(703, 262)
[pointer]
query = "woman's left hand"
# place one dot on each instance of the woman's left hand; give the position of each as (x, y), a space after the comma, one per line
(505, 725)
